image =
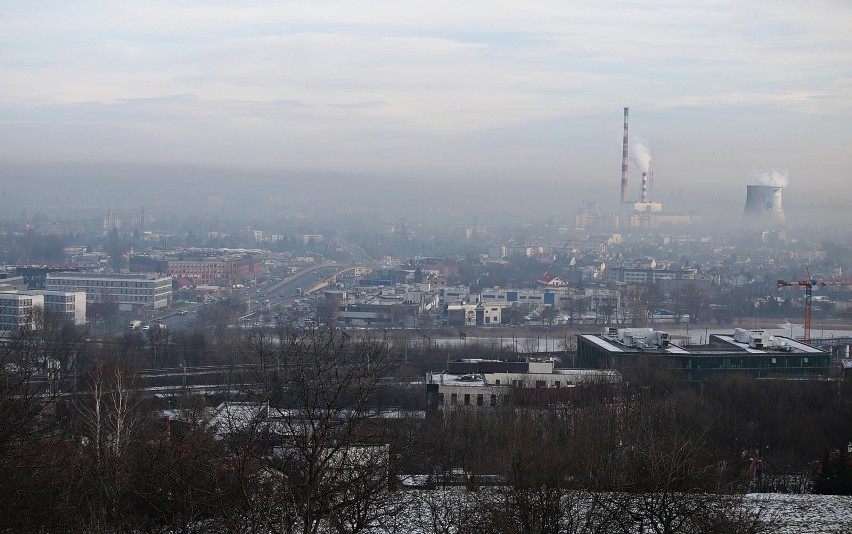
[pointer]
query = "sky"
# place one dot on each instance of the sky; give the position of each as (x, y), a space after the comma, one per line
(489, 93)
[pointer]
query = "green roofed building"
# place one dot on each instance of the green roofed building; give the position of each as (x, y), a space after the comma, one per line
(753, 352)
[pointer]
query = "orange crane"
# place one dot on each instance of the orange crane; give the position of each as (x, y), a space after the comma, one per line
(808, 284)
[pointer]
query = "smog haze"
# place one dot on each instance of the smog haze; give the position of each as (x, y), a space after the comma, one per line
(406, 105)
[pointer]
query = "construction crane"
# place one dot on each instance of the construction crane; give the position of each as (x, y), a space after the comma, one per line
(809, 284)
(556, 256)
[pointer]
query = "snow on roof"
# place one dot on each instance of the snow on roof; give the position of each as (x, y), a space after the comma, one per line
(448, 379)
(602, 343)
(797, 346)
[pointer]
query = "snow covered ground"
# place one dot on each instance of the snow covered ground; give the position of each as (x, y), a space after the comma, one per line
(805, 514)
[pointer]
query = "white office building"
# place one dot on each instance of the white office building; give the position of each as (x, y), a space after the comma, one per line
(16, 311)
(64, 306)
(132, 292)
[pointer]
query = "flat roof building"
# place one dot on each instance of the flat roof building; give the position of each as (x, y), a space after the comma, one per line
(753, 352)
(201, 268)
(480, 383)
(132, 292)
(16, 311)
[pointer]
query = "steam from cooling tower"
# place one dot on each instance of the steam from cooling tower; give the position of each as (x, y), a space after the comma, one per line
(641, 156)
(772, 178)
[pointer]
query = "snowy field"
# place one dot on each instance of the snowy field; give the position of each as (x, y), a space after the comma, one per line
(806, 514)
(782, 513)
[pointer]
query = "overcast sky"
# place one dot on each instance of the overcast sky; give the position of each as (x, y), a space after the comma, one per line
(488, 91)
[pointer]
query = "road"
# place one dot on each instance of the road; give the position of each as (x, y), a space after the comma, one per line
(283, 292)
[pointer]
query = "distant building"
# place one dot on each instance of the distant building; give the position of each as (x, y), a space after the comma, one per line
(536, 297)
(461, 314)
(753, 352)
(453, 295)
(647, 272)
(65, 306)
(35, 276)
(16, 311)
(472, 383)
(131, 292)
(596, 220)
(17, 308)
(112, 221)
(397, 306)
(201, 269)
(551, 281)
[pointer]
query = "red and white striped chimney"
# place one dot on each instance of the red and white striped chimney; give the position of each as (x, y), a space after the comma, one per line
(624, 161)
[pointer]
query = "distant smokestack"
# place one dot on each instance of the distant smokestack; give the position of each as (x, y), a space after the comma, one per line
(624, 161)
(644, 196)
(764, 205)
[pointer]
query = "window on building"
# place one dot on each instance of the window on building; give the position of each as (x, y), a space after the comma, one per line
(480, 399)
(454, 399)
(467, 399)
(493, 400)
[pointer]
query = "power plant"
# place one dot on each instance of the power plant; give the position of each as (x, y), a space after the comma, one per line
(764, 205)
(641, 212)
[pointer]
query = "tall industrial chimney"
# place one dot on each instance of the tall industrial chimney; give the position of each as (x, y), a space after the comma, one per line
(644, 193)
(624, 162)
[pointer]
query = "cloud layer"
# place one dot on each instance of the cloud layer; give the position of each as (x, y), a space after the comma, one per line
(492, 90)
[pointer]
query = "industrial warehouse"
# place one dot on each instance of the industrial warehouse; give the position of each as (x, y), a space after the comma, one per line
(745, 351)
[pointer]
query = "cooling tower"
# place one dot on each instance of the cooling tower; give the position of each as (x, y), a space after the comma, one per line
(763, 204)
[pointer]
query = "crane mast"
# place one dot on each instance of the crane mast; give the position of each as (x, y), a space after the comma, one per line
(556, 255)
(808, 284)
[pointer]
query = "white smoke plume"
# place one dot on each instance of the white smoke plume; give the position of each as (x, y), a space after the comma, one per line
(641, 156)
(772, 177)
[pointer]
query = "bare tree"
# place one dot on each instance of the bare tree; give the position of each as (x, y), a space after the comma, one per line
(641, 301)
(694, 301)
(110, 415)
(311, 447)
(36, 365)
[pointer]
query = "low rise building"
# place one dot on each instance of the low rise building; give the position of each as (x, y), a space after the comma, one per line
(202, 267)
(480, 383)
(17, 311)
(65, 306)
(752, 352)
(647, 272)
(535, 297)
(131, 292)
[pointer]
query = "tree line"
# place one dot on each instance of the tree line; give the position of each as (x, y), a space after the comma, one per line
(307, 437)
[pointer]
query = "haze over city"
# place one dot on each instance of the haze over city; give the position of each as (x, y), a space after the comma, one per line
(494, 99)
(395, 267)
